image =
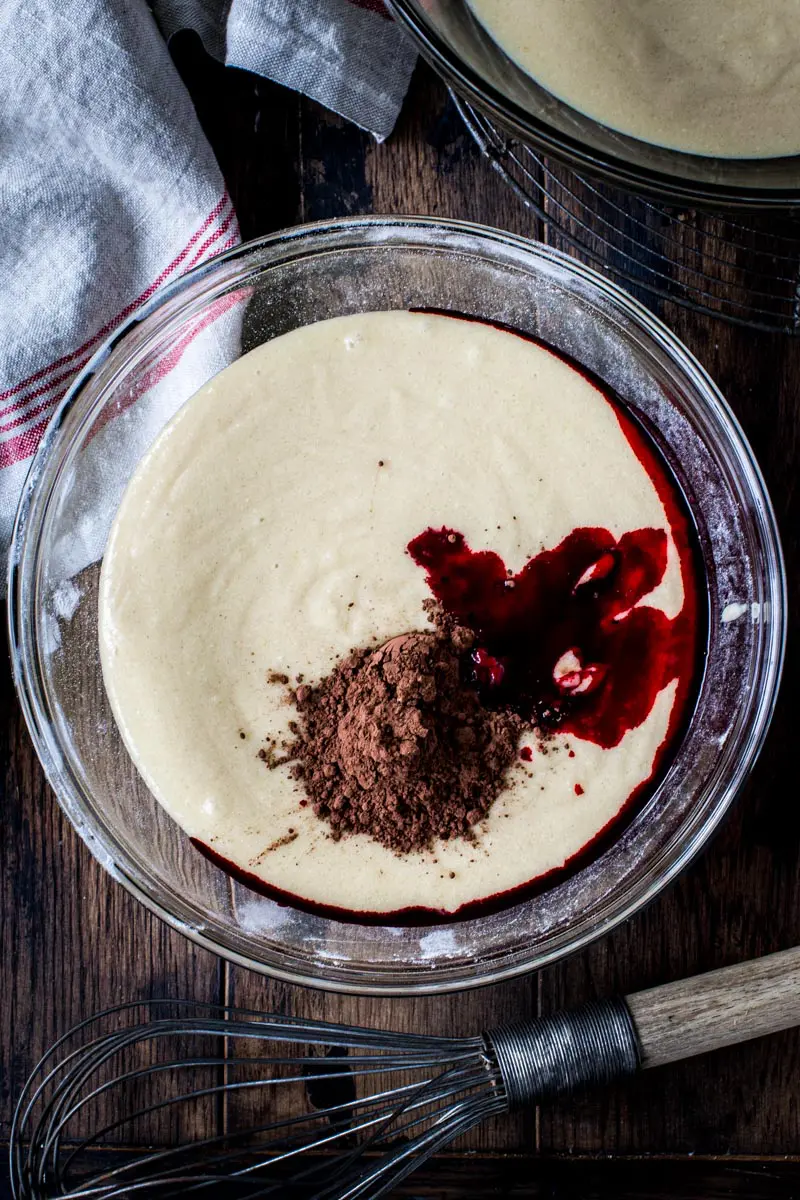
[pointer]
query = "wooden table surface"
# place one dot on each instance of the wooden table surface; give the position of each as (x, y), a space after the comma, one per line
(71, 941)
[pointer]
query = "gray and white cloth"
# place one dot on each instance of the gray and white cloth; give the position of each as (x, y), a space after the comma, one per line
(108, 187)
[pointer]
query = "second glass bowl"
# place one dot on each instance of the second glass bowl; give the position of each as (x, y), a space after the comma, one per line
(449, 36)
(185, 335)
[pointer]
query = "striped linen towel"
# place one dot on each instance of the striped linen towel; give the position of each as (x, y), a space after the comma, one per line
(108, 187)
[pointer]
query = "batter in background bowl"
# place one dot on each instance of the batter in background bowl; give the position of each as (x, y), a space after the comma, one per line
(399, 484)
(712, 77)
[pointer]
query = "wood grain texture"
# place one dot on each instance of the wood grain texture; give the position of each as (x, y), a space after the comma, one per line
(523, 1178)
(72, 941)
(719, 1008)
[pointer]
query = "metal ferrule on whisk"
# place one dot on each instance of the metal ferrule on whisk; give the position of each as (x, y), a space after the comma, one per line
(565, 1052)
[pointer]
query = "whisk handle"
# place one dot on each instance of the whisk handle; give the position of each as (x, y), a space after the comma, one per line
(720, 1008)
(606, 1040)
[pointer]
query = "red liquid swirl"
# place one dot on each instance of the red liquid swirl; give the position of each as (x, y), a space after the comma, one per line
(563, 641)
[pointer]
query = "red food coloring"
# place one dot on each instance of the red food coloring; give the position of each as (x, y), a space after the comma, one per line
(582, 597)
(572, 754)
(578, 790)
(572, 678)
(487, 670)
(526, 754)
(571, 637)
(598, 570)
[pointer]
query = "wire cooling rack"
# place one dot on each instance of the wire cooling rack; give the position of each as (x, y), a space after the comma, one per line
(743, 267)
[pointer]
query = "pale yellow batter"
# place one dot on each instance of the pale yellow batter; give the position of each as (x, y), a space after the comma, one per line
(261, 535)
(714, 77)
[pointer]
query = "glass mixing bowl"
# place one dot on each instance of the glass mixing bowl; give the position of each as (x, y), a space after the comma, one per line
(202, 322)
(448, 35)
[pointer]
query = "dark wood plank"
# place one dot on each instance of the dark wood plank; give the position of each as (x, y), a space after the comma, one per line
(520, 1178)
(646, 1179)
(253, 126)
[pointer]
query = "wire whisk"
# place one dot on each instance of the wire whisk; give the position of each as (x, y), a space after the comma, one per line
(336, 1112)
(307, 1108)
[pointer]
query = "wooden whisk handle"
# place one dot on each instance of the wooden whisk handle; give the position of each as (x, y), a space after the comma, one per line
(694, 1016)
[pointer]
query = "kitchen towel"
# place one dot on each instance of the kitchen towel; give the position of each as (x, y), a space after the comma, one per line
(108, 187)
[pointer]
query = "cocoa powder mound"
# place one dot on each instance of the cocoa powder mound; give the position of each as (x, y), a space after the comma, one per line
(394, 744)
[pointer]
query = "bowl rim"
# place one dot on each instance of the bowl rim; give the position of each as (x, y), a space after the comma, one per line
(695, 832)
(471, 85)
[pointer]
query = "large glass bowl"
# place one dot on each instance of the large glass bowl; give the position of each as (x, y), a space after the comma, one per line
(188, 332)
(448, 35)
